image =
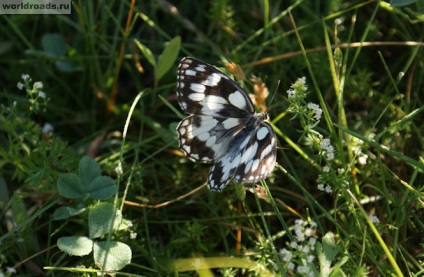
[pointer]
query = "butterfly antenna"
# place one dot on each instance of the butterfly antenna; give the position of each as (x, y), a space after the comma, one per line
(273, 95)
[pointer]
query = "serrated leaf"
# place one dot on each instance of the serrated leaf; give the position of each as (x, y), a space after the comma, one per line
(146, 53)
(66, 212)
(112, 255)
(69, 186)
(168, 57)
(100, 218)
(102, 188)
(88, 170)
(75, 245)
(54, 44)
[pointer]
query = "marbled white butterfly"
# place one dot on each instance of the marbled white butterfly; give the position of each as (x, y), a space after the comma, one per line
(222, 126)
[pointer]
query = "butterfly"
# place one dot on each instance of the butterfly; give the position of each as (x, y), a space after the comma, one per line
(222, 126)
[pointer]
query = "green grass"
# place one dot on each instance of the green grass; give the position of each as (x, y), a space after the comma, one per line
(108, 72)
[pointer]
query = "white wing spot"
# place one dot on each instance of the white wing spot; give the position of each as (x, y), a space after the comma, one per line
(250, 152)
(200, 68)
(211, 141)
(198, 88)
(183, 105)
(203, 136)
(248, 167)
(212, 102)
(196, 96)
(236, 98)
(190, 72)
(244, 143)
(261, 133)
(255, 165)
(212, 80)
(230, 123)
(195, 156)
(266, 151)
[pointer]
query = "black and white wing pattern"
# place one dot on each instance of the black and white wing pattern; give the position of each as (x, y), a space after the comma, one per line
(222, 127)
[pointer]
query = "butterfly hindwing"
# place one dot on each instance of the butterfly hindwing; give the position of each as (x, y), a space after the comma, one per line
(258, 161)
(249, 158)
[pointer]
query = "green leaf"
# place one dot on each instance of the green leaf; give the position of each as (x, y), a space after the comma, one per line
(54, 44)
(326, 253)
(337, 268)
(20, 216)
(100, 218)
(168, 57)
(88, 170)
(401, 2)
(146, 52)
(76, 246)
(102, 188)
(66, 212)
(69, 186)
(168, 136)
(112, 255)
(67, 66)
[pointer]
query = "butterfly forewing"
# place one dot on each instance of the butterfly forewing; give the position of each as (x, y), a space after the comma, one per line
(202, 89)
(204, 137)
(222, 127)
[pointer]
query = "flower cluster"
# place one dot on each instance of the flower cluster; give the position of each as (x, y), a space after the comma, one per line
(316, 111)
(327, 148)
(298, 255)
(310, 115)
(37, 97)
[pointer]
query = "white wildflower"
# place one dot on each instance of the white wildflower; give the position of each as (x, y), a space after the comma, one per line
(302, 83)
(47, 128)
(118, 168)
(11, 270)
(363, 159)
(38, 85)
(374, 218)
(291, 266)
(291, 93)
(41, 94)
(316, 110)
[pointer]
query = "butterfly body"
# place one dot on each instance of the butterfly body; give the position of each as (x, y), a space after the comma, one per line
(222, 126)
